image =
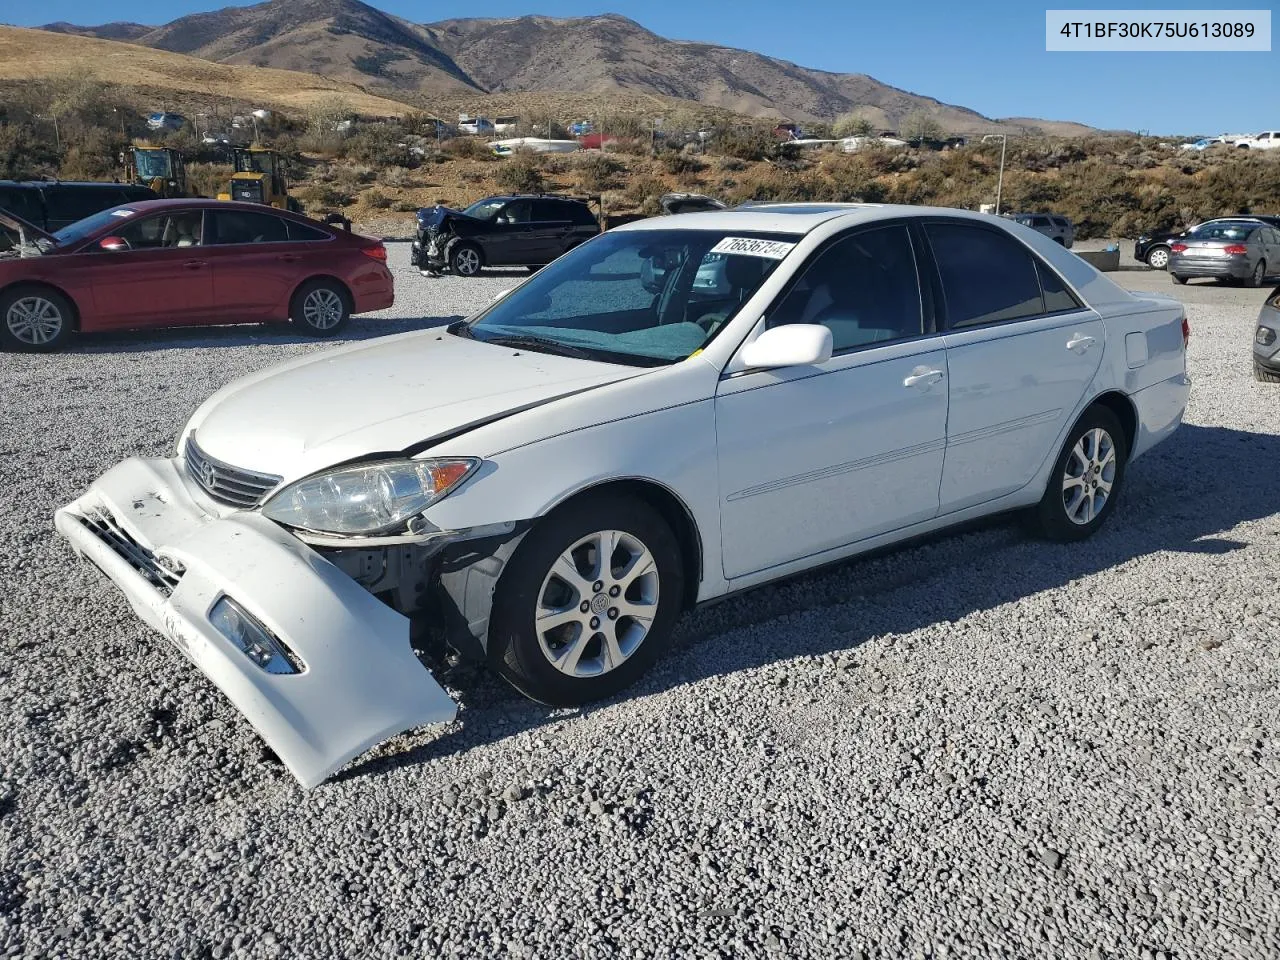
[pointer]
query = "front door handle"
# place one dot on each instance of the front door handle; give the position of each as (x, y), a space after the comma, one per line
(289, 257)
(923, 377)
(1079, 343)
(194, 264)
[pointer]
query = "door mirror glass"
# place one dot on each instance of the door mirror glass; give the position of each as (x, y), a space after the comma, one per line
(113, 244)
(791, 345)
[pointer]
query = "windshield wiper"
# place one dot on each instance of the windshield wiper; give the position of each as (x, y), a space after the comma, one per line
(540, 343)
(460, 328)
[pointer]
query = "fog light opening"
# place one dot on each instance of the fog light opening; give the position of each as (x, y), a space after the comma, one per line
(251, 638)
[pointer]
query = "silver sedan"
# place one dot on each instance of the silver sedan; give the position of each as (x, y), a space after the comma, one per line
(1231, 250)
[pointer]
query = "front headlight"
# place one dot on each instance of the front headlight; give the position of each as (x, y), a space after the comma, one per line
(367, 498)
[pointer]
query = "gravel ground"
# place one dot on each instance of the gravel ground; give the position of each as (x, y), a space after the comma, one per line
(978, 746)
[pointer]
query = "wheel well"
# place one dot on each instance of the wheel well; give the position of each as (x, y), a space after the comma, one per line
(1124, 410)
(346, 291)
(673, 511)
(43, 285)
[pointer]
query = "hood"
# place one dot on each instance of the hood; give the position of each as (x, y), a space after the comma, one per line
(385, 397)
(434, 216)
(13, 228)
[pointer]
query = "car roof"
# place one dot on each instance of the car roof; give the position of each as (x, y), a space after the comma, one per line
(797, 218)
(73, 183)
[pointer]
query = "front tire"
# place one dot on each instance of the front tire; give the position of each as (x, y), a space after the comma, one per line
(35, 319)
(588, 601)
(1158, 258)
(1263, 375)
(320, 308)
(465, 261)
(1178, 279)
(1086, 478)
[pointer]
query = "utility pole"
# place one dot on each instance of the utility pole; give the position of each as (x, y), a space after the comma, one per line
(1004, 142)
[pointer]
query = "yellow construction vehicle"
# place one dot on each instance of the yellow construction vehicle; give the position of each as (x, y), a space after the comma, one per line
(259, 178)
(163, 169)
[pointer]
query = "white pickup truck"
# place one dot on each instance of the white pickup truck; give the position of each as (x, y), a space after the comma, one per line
(1267, 140)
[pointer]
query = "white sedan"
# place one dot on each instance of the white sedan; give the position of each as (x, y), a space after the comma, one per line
(680, 408)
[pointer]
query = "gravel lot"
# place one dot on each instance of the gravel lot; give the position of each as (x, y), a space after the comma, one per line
(978, 746)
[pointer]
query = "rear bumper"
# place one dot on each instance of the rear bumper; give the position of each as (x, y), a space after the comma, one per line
(373, 289)
(1236, 267)
(360, 683)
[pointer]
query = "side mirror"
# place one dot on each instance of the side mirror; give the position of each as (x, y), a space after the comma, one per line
(791, 345)
(113, 244)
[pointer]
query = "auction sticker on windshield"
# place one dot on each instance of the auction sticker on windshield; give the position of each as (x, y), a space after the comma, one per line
(773, 249)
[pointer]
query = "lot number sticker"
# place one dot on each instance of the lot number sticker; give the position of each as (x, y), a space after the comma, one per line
(773, 249)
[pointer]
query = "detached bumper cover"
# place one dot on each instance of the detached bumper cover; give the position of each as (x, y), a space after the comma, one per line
(360, 683)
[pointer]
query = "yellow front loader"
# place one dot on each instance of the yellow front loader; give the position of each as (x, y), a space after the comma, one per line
(259, 178)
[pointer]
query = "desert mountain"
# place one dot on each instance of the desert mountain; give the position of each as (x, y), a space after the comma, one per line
(351, 41)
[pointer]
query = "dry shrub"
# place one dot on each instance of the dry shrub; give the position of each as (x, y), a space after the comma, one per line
(468, 148)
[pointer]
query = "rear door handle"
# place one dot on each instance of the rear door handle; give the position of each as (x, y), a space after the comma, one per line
(289, 257)
(923, 377)
(1080, 343)
(194, 264)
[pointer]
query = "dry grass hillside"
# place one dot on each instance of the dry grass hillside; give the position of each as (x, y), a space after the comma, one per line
(596, 55)
(39, 55)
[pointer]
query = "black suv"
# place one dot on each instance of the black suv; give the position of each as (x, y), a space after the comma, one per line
(54, 204)
(514, 230)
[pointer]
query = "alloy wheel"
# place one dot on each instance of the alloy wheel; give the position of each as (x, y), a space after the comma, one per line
(322, 309)
(467, 262)
(34, 320)
(1089, 476)
(1159, 258)
(597, 603)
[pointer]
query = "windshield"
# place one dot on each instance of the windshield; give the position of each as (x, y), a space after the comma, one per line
(485, 209)
(82, 228)
(253, 161)
(152, 164)
(645, 297)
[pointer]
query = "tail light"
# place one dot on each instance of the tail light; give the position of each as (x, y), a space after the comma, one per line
(1178, 247)
(376, 252)
(1235, 249)
(1186, 332)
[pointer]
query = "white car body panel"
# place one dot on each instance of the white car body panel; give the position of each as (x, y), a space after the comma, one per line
(777, 471)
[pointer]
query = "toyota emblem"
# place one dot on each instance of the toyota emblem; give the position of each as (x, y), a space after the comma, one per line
(208, 474)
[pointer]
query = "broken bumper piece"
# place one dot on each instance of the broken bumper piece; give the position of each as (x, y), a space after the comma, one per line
(321, 668)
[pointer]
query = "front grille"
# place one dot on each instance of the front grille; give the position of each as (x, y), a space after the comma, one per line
(104, 526)
(225, 483)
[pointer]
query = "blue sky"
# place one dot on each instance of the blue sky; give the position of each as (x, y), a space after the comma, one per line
(984, 54)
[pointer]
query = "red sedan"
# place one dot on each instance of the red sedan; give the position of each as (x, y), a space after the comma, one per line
(173, 263)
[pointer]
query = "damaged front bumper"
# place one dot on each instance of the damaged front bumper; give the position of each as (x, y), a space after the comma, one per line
(357, 681)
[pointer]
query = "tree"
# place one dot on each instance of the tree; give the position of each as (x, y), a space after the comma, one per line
(852, 125)
(919, 125)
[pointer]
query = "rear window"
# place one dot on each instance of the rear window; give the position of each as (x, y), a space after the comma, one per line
(987, 276)
(1040, 221)
(74, 203)
(1226, 231)
(23, 202)
(237, 226)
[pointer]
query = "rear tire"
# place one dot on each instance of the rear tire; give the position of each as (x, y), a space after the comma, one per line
(35, 319)
(1158, 258)
(566, 629)
(1178, 279)
(1263, 375)
(1086, 479)
(320, 308)
(1259, 274)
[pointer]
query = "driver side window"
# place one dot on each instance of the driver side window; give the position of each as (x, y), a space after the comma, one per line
(863, 288)
(165, 231)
